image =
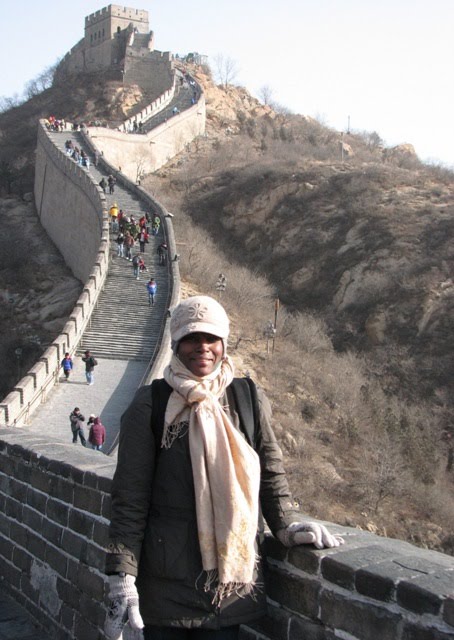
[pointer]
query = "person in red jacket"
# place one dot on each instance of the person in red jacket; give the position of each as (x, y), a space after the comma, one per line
(97, 435)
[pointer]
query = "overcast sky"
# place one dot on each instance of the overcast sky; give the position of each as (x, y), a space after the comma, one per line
(384, 66)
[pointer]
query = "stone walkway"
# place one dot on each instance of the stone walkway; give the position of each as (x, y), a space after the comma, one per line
(115, 383)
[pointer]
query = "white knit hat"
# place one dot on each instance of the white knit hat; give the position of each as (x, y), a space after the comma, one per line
(198, 314)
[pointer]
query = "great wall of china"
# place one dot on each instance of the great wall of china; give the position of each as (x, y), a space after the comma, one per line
(55, 499)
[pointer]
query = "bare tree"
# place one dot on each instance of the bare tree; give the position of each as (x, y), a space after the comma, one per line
(281, 109)
(265, 94)
(7, 103)
(225, 69)
(42, 82)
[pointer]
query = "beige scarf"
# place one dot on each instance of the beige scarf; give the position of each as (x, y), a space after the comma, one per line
(226, 473)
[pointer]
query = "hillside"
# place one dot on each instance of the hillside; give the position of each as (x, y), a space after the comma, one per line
(355, 240)
(366, 242)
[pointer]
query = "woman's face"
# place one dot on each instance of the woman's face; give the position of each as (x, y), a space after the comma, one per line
(200, 353)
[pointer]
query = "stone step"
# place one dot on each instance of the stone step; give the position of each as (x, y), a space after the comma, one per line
(122, 325)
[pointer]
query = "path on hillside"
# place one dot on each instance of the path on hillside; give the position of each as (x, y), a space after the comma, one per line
(122, 335)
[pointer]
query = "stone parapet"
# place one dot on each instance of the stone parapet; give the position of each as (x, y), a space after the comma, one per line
(371, 588)
(54, 517)
(62, 191)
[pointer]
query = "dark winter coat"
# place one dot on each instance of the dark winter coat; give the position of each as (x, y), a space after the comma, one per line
(97, 433)
(153, 528)
(90, 363)
(76, 420)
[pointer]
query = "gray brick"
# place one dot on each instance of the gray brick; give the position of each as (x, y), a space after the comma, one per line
(295, 593)
(73, 570)
(307, 559)
(22, 559)
(418, 632)
(84, 629)
(448, 610)
(106, 508)
(274, 549)
(104, 484)
(6, 548)
(27, 589)
(274, 625)
(87, 499)
(73, 544)
(5, 524)
(81, 523)
(32, 518)
(10, 574)
(18, 490)
(93, 610)
(101, 533)
(425, 594)
(90, 583)
(90, 480)
(7, 465)
(57, 511)
(341, 568)
(36, 500)
(23, 473)
(5, 483)
(19, 533)
(67, 616)
(56, 560)
(94, 557)
(36, 545)
(52, 532)
(13, 509)
(62, 489)
(68, 593)
(301, 628)
(361, 620)
(40, 480)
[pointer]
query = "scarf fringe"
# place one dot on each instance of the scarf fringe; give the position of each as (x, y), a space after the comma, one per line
(224, 590)
(172, 432)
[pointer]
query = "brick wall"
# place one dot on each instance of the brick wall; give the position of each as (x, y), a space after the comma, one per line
(54, 514)
(53, 527)
(63, 189)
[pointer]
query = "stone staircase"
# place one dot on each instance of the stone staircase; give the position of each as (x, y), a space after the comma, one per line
(182, 100)
(123, 326)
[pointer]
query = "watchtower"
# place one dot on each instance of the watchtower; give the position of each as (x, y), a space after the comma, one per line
(113, 19)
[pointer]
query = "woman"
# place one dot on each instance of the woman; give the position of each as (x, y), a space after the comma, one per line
(97, 434)
(186, 520)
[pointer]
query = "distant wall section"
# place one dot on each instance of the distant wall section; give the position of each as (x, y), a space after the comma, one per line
(151, 70)
(136, 155)
(63, 189)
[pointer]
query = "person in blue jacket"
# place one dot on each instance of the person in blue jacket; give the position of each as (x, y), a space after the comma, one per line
(152, 288)
(67, 365)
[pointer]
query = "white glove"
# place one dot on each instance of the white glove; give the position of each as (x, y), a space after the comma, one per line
(123, 607)
(308, 533)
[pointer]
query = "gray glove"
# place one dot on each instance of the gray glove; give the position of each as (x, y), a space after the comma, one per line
(308, 533)
(123, 607)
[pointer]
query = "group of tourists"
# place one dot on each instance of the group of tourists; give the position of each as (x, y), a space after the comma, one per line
(78, 155)
(54, 124)
(67, 364)
(96, 429)
(132, 231)
(108, 184)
